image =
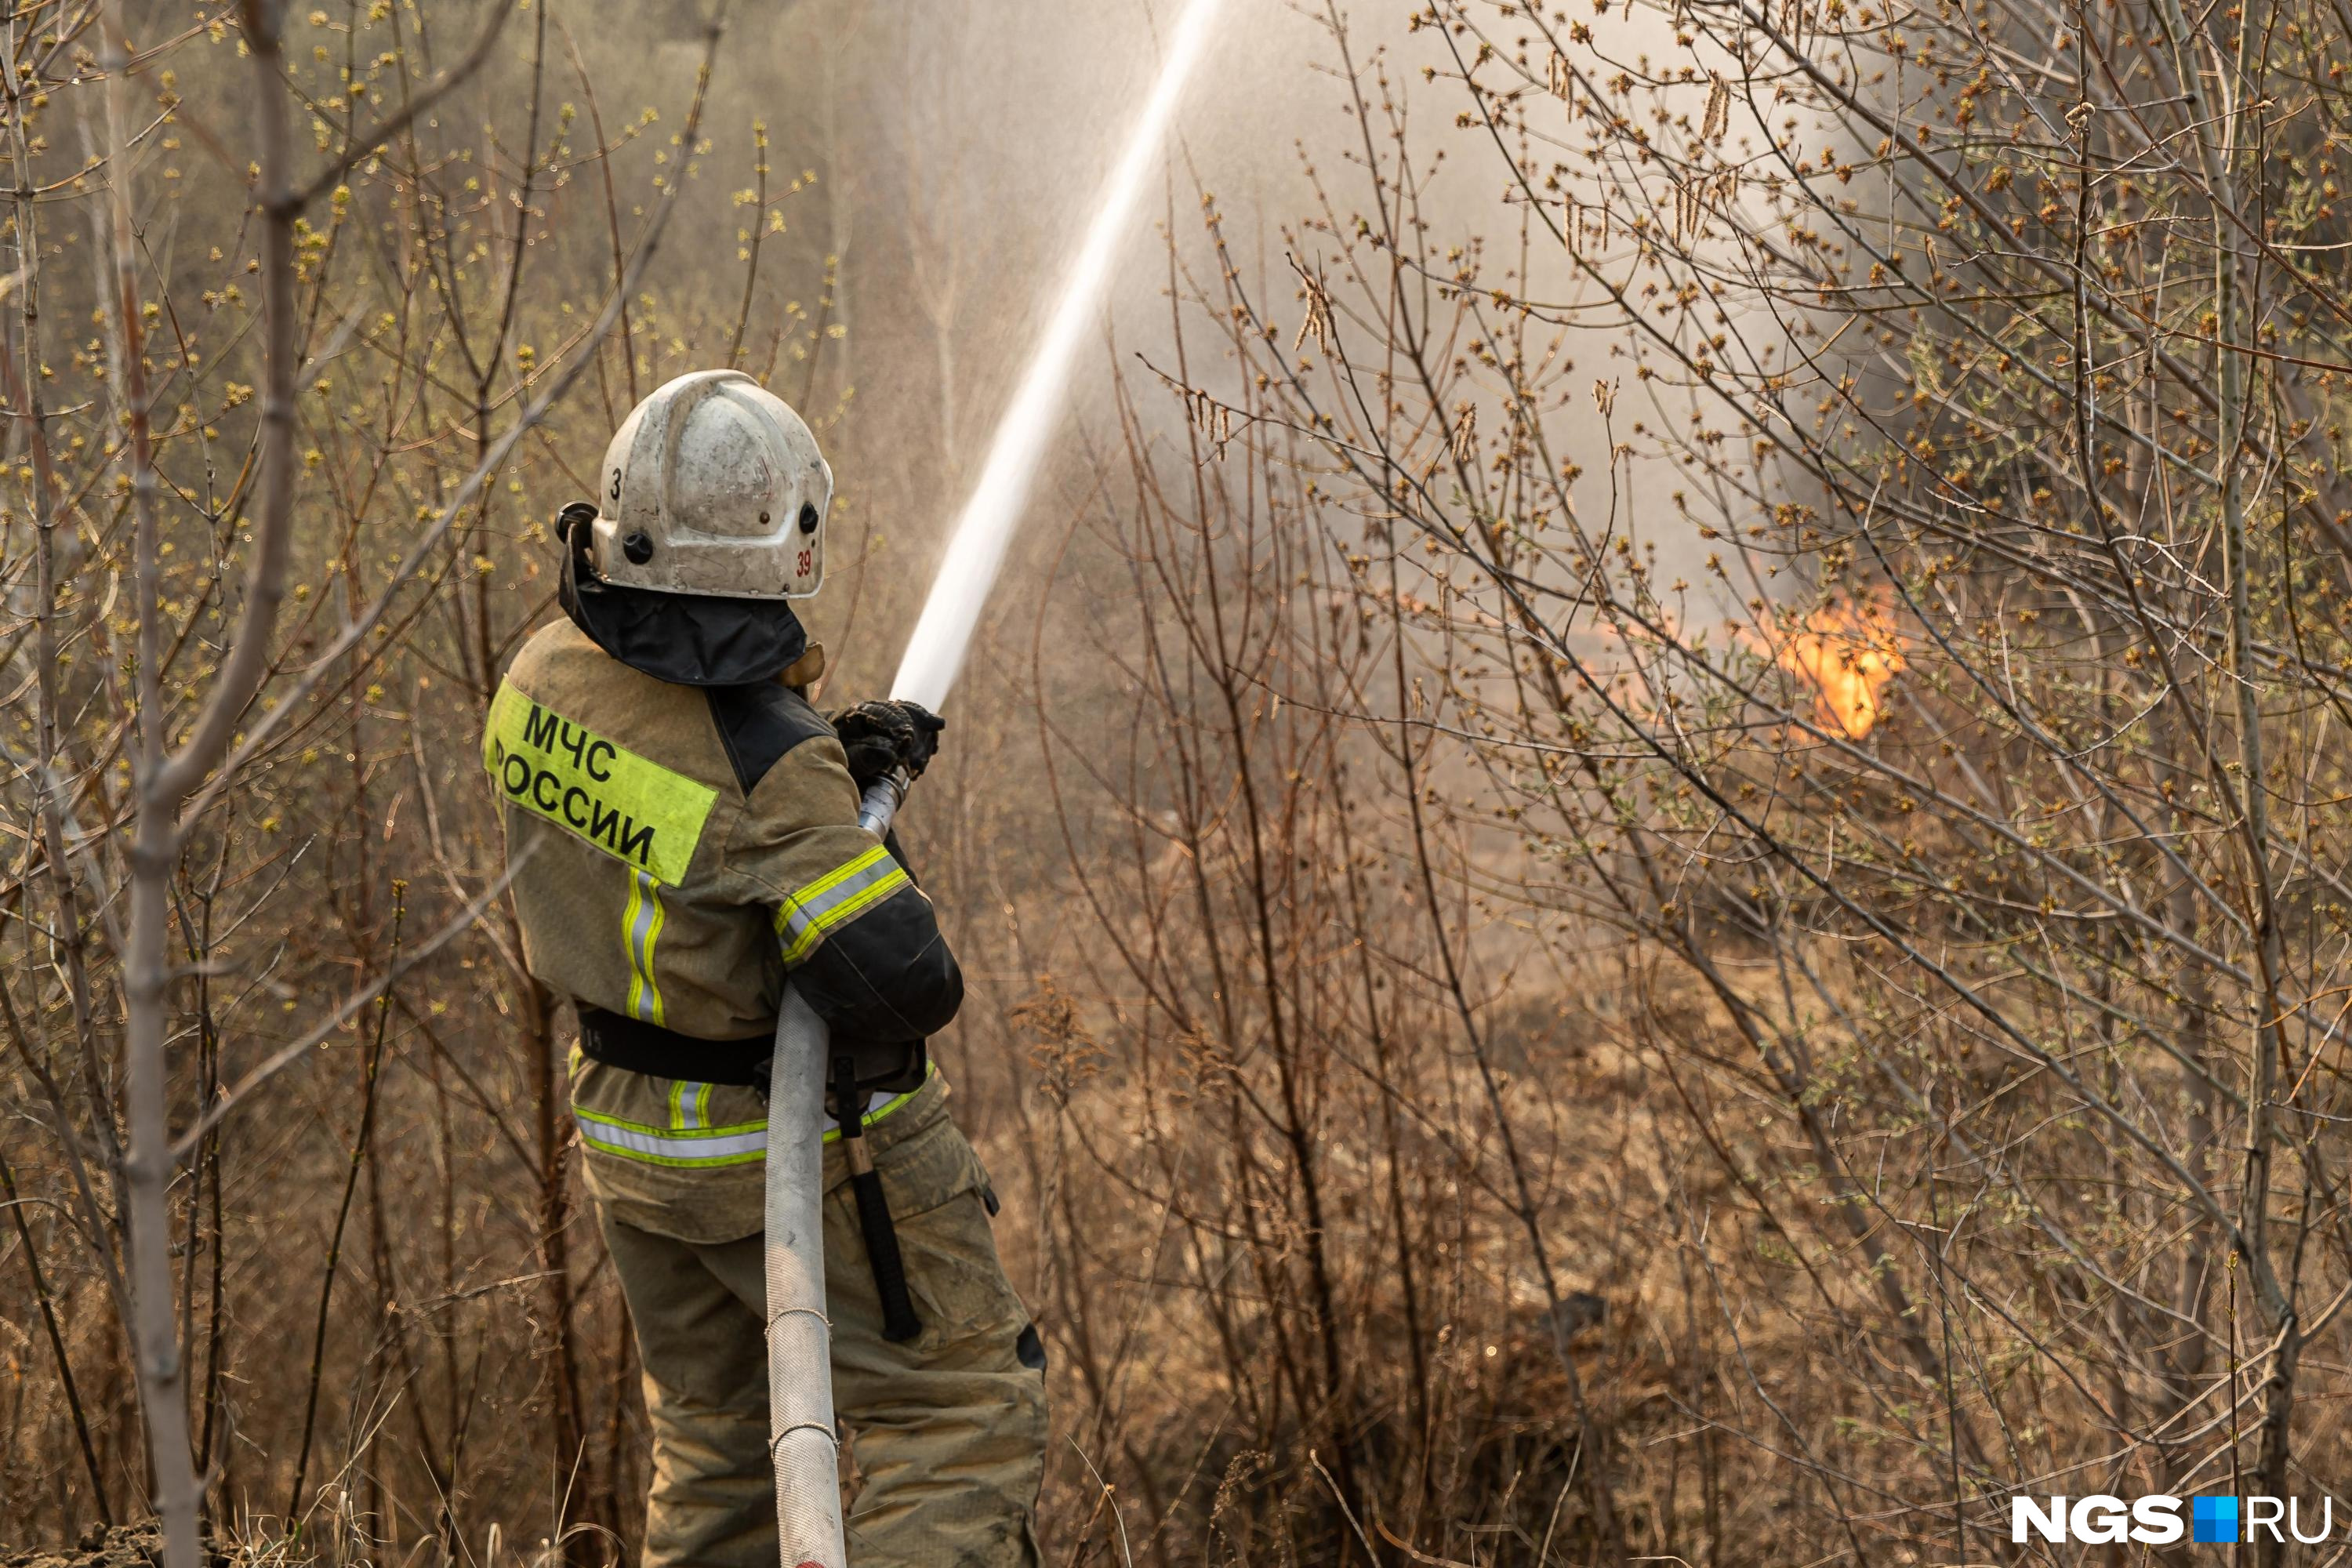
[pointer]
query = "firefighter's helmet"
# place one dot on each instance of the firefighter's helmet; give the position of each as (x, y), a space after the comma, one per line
(713, 486)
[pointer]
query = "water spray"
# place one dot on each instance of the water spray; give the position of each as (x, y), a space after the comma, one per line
(976, 548)
(800, 1361)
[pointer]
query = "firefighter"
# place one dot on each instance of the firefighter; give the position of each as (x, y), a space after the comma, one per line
(682, 828)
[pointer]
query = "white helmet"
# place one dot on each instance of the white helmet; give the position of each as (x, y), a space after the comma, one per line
(713, 486)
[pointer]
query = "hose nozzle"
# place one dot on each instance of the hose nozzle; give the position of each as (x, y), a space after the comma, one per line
(881, 801)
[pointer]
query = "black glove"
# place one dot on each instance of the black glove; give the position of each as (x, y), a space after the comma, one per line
(882, 735)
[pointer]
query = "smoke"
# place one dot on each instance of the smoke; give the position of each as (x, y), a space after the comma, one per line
(963, 159)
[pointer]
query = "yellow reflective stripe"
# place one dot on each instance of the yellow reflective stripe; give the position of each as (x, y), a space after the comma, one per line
(813, 893)
(737, 1143)
(755, 1156)
(641, 926)
(833, 900)
(631, 808)
(603, 1119)
(690, 1104)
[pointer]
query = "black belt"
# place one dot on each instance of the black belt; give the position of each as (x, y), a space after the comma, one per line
(620, 1041)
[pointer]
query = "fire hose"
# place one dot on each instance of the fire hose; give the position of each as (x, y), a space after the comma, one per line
(802, 1438)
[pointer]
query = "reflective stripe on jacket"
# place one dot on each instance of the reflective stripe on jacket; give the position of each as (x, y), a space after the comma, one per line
(690, 1139)
(686, 1159)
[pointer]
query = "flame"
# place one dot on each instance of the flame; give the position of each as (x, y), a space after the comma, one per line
(1849, 653)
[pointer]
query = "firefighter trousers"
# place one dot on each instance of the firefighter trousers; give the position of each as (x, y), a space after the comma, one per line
(947, 1430)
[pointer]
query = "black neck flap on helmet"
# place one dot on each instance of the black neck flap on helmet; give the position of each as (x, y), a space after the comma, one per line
(687, 639)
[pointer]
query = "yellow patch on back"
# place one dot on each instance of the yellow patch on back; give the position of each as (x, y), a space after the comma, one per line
(631, 808)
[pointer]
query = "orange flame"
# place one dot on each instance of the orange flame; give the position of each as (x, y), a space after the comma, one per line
(1849, 653)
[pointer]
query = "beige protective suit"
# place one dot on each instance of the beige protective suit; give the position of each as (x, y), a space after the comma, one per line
(678, 851)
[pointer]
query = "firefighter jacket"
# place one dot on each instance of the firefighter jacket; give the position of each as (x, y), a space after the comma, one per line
(678, 850)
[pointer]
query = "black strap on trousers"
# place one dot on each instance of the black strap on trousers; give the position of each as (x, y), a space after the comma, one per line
(899, 1321)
